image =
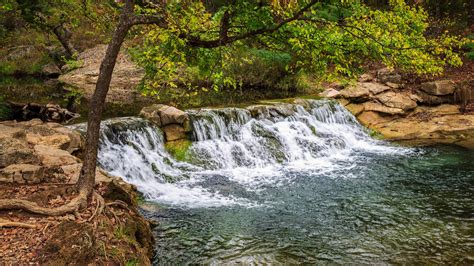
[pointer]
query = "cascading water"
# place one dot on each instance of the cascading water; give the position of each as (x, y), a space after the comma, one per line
(252, 152)
(291, 184)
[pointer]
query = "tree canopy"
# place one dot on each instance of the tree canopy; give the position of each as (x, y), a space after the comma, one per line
(210, 41)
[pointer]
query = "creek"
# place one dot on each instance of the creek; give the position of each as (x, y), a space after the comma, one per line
(310, 187)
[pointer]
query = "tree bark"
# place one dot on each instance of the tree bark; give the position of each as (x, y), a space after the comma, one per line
(64, 37)
(86, 180)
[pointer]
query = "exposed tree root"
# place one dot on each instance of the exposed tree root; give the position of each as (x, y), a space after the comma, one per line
(5, 223)
(100, 206)
(29, 206)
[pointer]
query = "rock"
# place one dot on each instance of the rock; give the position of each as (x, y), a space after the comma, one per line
(51, 70)
(387, 75)
(22, 173)
(426, 125)
(380, 108)
(330, 93)
(172, 115)
(52, 157)
(163, 115)
(374, 88)
(393, 85)
(47, 113)
(152, 113)
(174, 132)
(355, 109)
(366, 77)
(19, 52)
(431, 100)
(358, 93)
(439, 87)
(126, 76)
(396, 100)
(15, 151)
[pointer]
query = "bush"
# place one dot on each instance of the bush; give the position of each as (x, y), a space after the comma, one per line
(5, 110)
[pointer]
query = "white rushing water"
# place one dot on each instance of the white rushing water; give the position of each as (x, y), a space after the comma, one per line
(231, 146)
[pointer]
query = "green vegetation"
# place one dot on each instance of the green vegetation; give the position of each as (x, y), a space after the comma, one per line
(5, 110)
(330, 40)
(178, 149)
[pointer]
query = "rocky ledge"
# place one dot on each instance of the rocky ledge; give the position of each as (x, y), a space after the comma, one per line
(432, 112)
(40, 162)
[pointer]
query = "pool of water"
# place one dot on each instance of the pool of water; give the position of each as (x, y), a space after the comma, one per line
(414, 208)
(295, 183)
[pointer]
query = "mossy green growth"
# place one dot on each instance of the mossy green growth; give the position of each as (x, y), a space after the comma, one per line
(375, 134)
(5, 110)
(178, 148)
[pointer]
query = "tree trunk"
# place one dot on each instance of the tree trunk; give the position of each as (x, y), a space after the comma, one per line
(64, 36)
(86, 180)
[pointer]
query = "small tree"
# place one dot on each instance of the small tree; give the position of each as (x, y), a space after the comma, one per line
(331, 35)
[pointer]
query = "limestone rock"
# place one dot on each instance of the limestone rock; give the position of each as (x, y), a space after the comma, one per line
(126, 76)
(52, 157)
(163, 115)
(355, 109)
(366, 77)
(396, 100)
(387, 75)
(51, 70)
(15, 151)
(439, 87)
(358, 93)
(22, 173)
(431, 100)
(375, 88)
(172, 115)
(330, 93)
(380, 108)
(393, 85)
(174, 132)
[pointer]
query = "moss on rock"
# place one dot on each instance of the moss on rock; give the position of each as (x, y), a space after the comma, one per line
(179, 149)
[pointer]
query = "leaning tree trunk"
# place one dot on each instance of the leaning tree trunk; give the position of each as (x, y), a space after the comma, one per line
(64, 37)
(87, 176)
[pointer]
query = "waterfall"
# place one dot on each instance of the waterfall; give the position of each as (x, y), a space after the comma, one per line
(249, 147)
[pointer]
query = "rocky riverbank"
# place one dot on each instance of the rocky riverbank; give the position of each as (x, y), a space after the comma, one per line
(40, 162)
(431, 112)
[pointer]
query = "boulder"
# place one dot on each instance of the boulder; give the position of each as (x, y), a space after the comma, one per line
(366, 77)
(355, 109)
(387, 75)
(439, 87)
(393, 85)
(51, 70)
(375, 88)
(125, 78)
(330, 93)
(380, 108)
(16, 151)
(431, 100)
(53, 157)
(396, 100)
(357, 93)
(174, 132)
(172, 115)
(163, 115)
(22, 173)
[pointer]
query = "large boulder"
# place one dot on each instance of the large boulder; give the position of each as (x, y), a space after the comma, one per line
(396, 100)
(15, 151)
(53, 157)
(22, 173)
(174, 132)
(385, 75)
(357, 93)
(163, 115)
(439, 87)
(125, 78)
(380, 108)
